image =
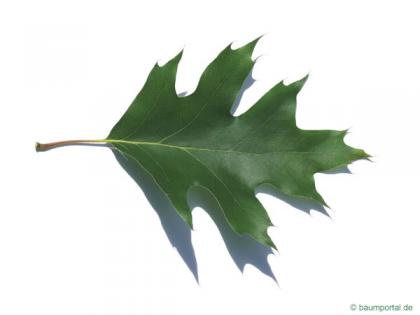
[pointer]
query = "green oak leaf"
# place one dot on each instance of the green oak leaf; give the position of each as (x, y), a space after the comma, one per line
(186, 141)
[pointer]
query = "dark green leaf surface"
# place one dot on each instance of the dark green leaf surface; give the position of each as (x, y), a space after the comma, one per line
(194, 140)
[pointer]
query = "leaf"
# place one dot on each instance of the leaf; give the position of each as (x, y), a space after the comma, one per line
(186, 141)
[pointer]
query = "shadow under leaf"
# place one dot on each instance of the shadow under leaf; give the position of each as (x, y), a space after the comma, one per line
(177, 231)
(243, 249)
(248, 82)
(302, 204)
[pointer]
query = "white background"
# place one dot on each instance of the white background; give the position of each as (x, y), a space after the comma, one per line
(77, 235)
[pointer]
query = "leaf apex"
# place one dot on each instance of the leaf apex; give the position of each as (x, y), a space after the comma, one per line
(249, 47)
(365, 156)
(271, 244)
(298, 85)
(174, 61)
(187, 219)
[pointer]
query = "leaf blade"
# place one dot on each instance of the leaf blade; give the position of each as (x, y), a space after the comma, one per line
(194, 141)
